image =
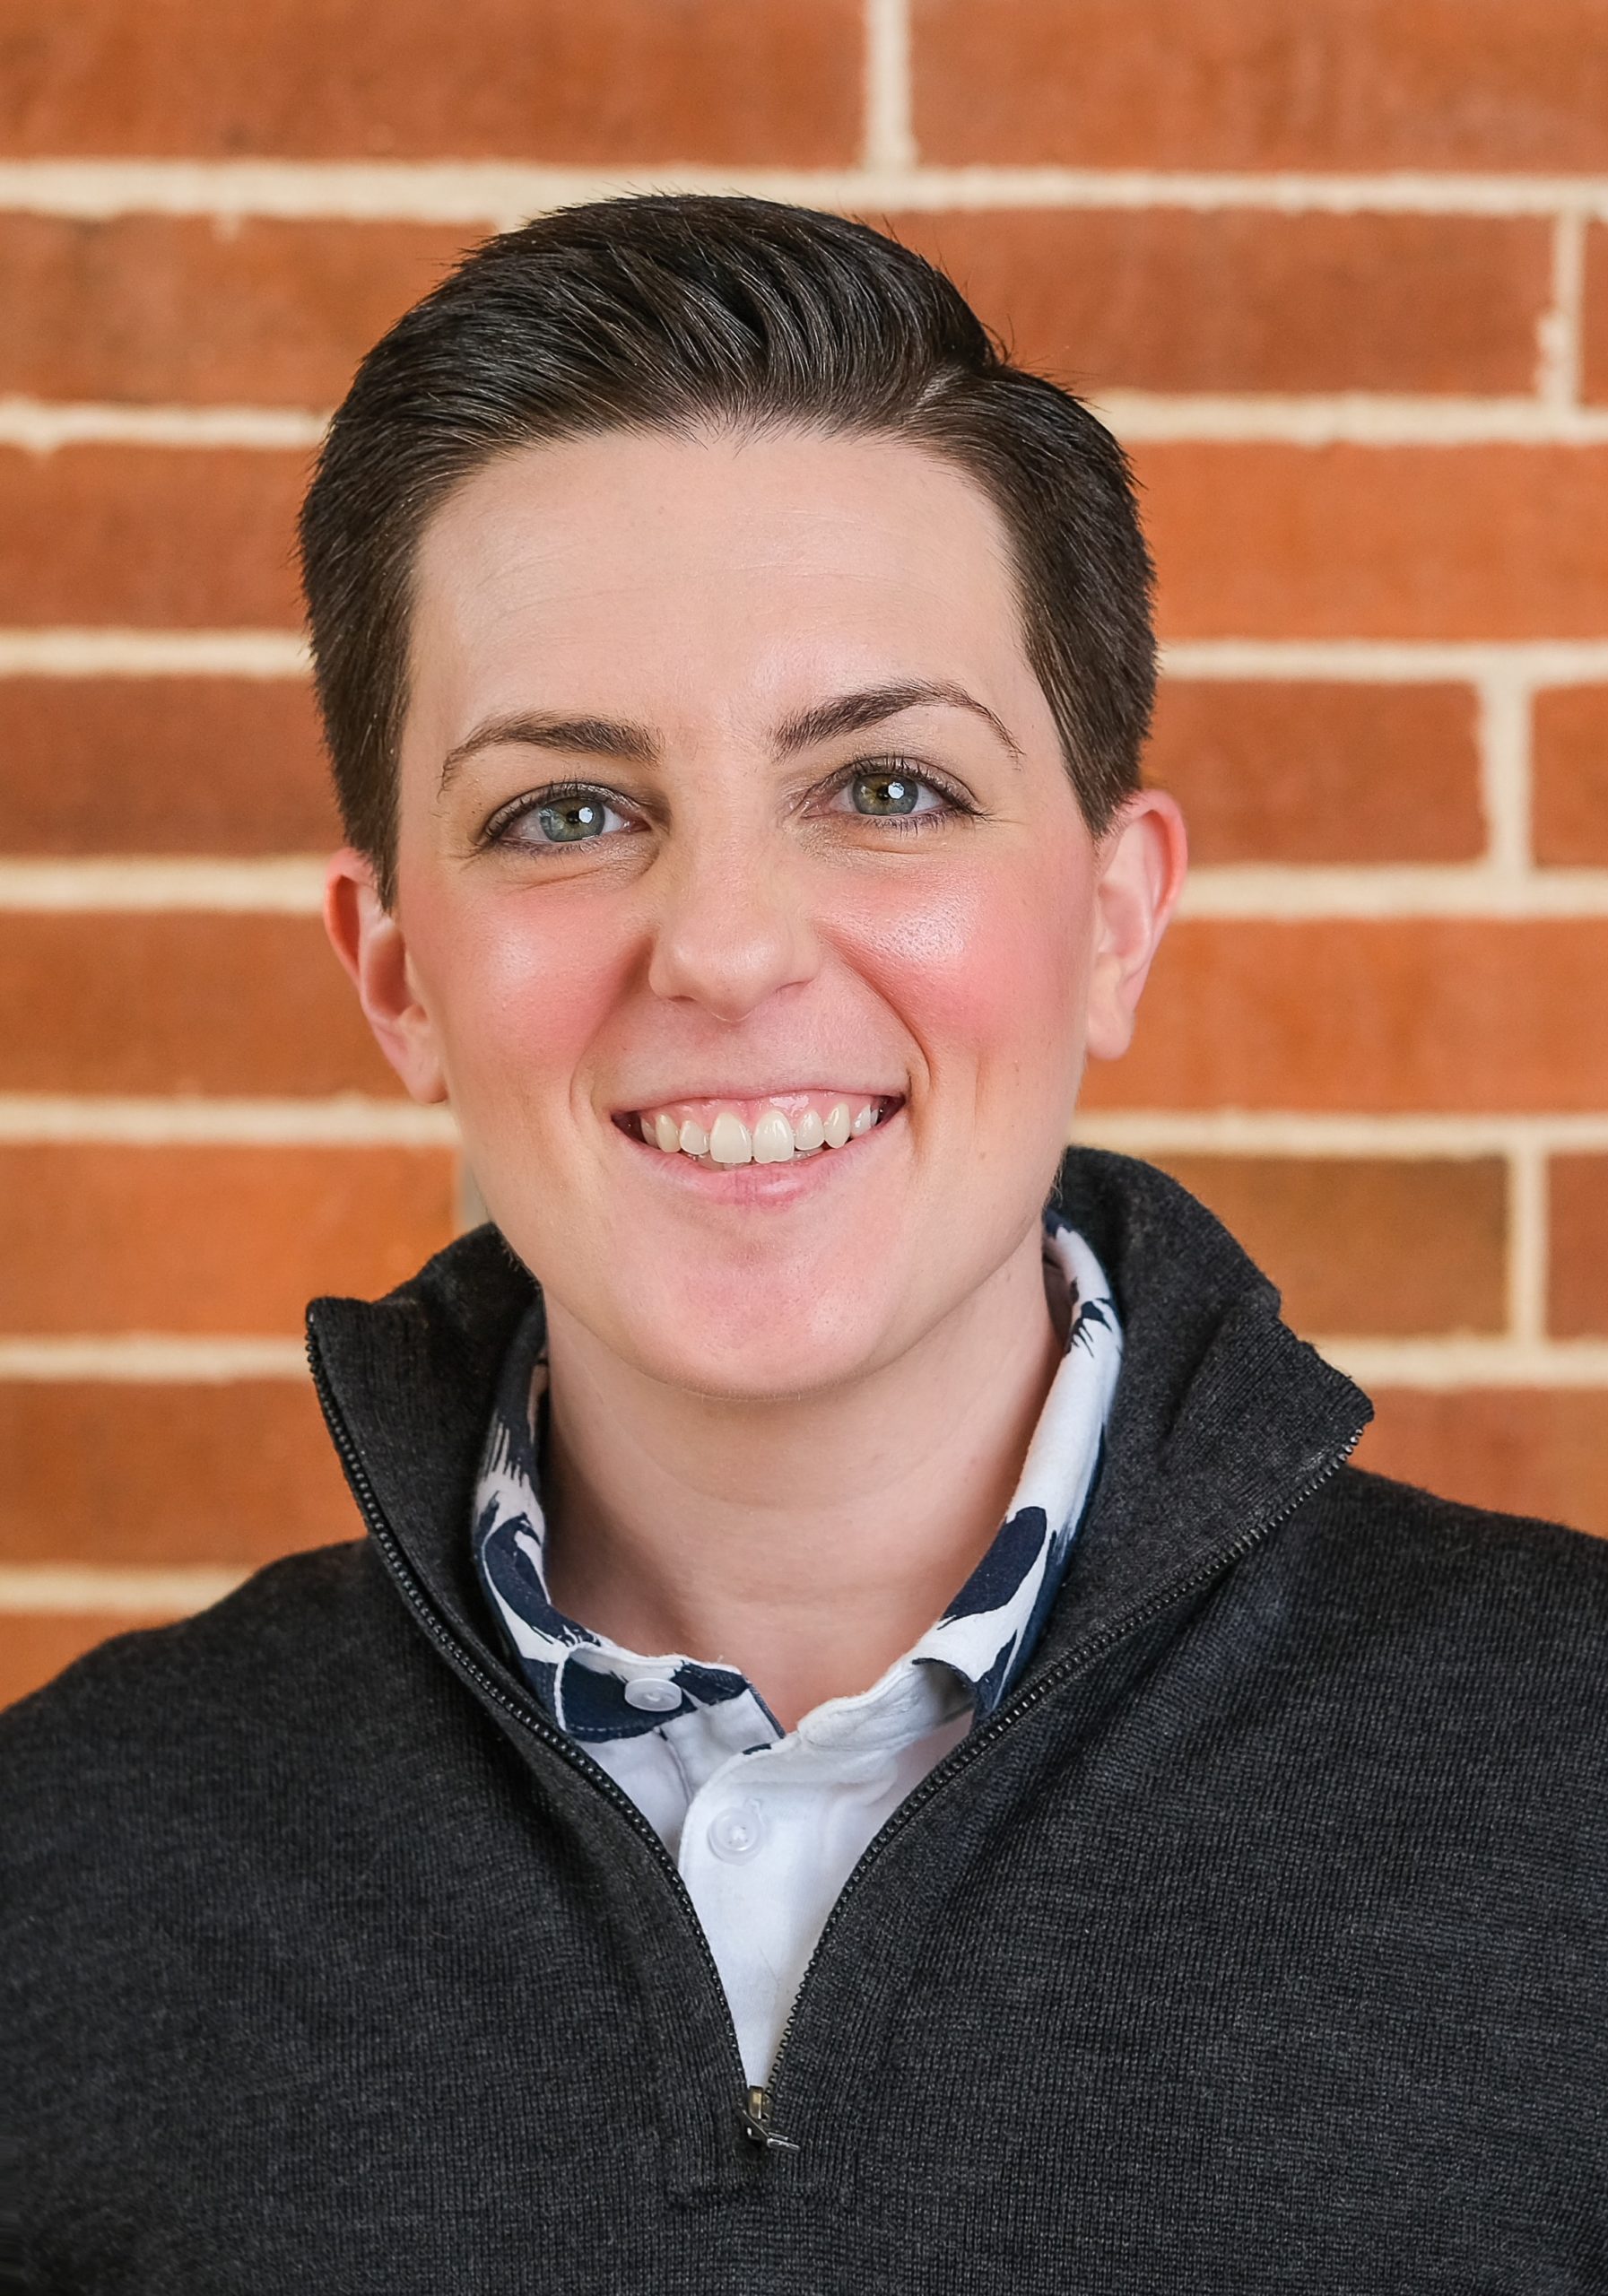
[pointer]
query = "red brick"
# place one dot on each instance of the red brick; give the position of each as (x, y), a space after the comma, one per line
(140, 1001)
(265, 312)
(1259, 83)
(1325, 773)
(1593, 344)
(35, 1646)
(749, 83)
(103, 1237)
(1272, 541)
(175, 765)
(1367, 1246)
(1570, 784)
(218, 1474)
(1540, 1451)
(189, 537)
(1169, 300)
(1577, 1224)
(1455, 1014)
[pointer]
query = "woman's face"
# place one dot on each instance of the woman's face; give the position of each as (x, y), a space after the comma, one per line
(823, 841)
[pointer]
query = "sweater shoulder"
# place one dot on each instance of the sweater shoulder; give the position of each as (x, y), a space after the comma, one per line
(1476, 1592)
(1403, 1520)
(259, 1650)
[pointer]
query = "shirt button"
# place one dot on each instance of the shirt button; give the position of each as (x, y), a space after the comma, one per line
(653, 1695)
(737, 1834)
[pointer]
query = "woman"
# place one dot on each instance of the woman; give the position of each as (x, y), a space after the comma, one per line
(874, 1740)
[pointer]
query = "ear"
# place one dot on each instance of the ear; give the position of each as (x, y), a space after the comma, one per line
(368, 941)
(1142, 860)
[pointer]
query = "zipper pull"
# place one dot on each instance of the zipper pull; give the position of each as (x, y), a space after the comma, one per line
(756, 2124)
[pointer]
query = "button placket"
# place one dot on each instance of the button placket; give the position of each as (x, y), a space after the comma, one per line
(653, 1695)
(739, 1832)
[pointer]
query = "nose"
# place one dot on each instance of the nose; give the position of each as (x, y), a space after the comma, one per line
(730, 925)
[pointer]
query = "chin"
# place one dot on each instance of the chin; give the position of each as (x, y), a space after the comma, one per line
(765, 1363)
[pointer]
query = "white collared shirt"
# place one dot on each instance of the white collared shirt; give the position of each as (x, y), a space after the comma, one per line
(766, 1824)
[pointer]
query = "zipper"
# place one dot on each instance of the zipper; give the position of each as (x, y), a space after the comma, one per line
(757, 2121)
(755, 2109)
(530, 1718)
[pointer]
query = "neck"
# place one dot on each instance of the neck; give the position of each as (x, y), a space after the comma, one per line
(808, 1541)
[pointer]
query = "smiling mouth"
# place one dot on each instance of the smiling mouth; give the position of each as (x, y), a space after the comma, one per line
(763, 1131)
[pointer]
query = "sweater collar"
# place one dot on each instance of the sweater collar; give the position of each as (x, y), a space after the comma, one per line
(985, 1637)
(1223, 1420)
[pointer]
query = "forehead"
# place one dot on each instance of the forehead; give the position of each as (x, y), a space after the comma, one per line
(660, 572)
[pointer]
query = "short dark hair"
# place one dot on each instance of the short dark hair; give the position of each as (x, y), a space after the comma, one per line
(672, 312)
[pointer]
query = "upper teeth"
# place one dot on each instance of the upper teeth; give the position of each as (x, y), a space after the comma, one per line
(774, 1139)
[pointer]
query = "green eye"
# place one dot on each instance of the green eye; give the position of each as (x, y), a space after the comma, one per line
(887, 793)
(567, 821)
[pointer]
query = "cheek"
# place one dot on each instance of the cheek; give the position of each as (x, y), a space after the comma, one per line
(524, 989)
(992, 965)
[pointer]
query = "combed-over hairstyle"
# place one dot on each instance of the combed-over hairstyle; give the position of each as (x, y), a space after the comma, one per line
(683, 312)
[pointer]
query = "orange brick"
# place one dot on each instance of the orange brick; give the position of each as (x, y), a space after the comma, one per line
(172, 765)
(1325, 773)
(1570, 789)
(1272, 541)
(1593, 344)
(1258, 84)
(187, 537)
(217, 1474)
(35, 1646)
(1168, 300)
(743, 81)
(101, 1236)
(1366, 1246)
(152, 1001)
(1455, 1013)
(1539, 1452)
(1577, 1284)
(1252, 541)
(169, 308)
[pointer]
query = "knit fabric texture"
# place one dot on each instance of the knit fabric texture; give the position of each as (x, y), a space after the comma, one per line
(1258, 1941)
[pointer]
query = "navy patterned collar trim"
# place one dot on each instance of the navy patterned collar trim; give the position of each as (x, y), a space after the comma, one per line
(985, 1636)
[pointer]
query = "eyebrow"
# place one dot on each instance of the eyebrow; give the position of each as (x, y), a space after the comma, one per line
(823, 721)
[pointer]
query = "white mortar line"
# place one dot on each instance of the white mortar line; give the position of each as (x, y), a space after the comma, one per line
(1558, 347)
(346, 1120)
(890, 134)
(153, 1356)
(487, 192)
(1357, 418)
(1504, 752)
(1452, 1363)
(1293, 894)
(71, 653)
(1279, 1132)
(293, 887)
(1315, 419)
(351, 1120)
(44, 1589)
(41, 427)
(1527, 1244)
(152, 653)
(1530, 662)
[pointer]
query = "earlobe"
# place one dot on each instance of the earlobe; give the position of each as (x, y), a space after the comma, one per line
(1144, 859)
(369, 942)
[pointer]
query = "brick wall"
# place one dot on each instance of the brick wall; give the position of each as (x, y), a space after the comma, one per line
(1339, 275)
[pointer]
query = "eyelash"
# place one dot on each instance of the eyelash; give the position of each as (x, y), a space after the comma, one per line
(496, 830)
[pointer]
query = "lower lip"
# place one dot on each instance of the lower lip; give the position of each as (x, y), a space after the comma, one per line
(772, 1185)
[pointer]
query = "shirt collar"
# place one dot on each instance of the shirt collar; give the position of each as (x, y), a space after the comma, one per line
(985, 1636)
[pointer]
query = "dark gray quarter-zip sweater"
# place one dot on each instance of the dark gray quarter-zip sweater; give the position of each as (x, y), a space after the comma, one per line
(1259, 1941)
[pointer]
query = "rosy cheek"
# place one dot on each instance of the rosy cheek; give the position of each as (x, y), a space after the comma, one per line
(985, 961)
(526, 990)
